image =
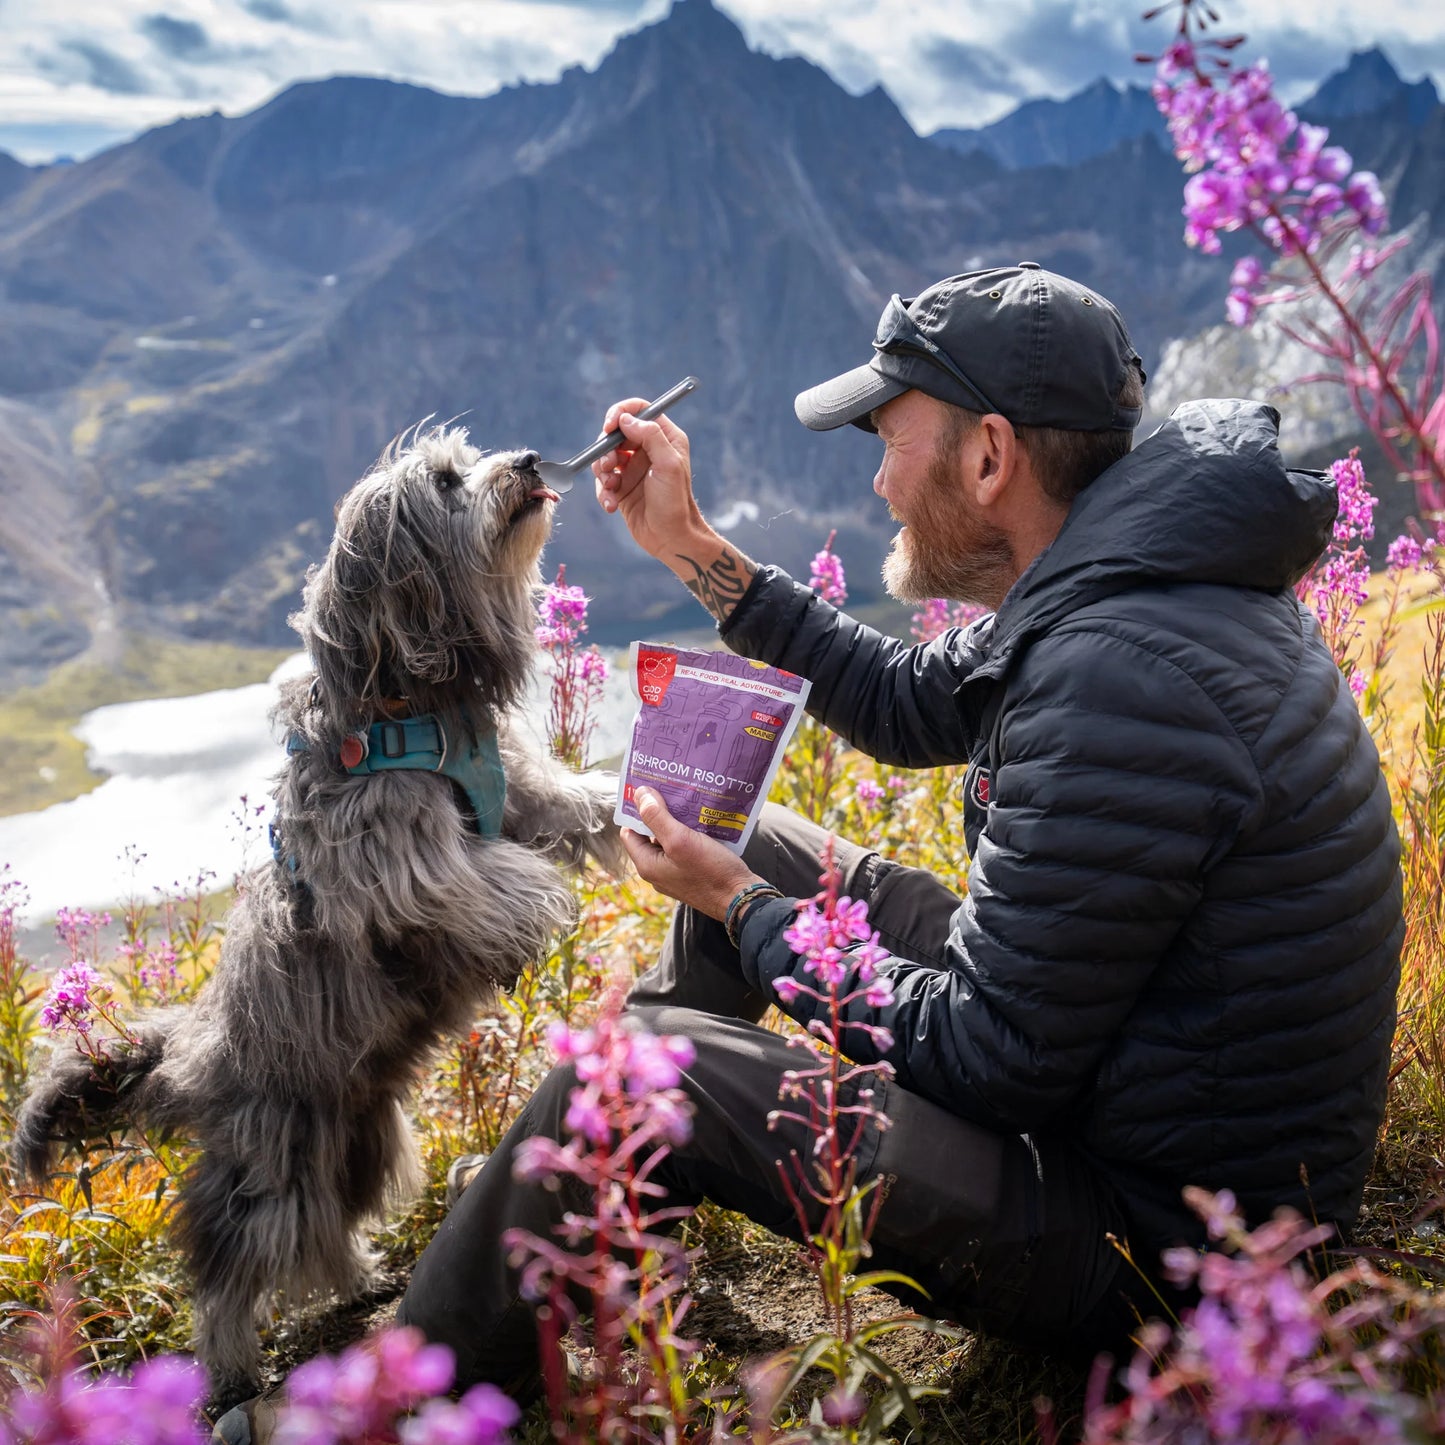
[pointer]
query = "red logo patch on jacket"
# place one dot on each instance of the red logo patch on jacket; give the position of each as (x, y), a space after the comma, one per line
(980, 787)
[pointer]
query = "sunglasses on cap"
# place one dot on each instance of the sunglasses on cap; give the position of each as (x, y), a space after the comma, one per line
(898, 333)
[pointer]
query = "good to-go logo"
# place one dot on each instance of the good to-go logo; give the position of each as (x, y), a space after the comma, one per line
(654, 674)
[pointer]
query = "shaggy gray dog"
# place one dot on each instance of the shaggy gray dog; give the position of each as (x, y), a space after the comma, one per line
(386, 920)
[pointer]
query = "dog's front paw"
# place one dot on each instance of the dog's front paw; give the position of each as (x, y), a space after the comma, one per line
(606, 846)
(604, 843)
(601, 788)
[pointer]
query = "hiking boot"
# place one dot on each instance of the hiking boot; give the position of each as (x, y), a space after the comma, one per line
(253, 1423)
(465, 1168)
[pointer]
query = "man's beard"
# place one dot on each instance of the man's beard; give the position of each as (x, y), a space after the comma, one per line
(947, 549)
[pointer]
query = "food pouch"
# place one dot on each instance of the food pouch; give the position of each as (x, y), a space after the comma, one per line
(709, 735)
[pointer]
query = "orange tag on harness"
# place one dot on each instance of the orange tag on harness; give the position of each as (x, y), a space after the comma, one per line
(353, 751)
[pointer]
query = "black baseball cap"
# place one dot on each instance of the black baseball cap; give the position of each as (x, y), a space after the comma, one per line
(1031, 345)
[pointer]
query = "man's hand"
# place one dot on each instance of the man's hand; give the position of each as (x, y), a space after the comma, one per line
(684, 864)
(649, 481)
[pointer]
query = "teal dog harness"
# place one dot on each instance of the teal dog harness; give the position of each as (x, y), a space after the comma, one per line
(420, 744)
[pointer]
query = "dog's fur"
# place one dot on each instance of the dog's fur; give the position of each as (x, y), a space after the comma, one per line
(334, 983)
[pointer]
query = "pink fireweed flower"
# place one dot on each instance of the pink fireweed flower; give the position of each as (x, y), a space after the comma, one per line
(826, 575)
(1255, 164)
(155, 1405)
(483, 1416)
(79, 930)
(878, 994)
(932, 620)
(625, 1075)
(586, 1117)
(825, 938)
(1262, 1356)
(592, 668)
(1356, 517)
(835, 1101)
(938, 615)
(787, 988)
(577, 674)
(623, 1116)
(869, 794)
(833, 937)
(71, 1003)
(1408, 554)
(563, 613)
(357, 1396)
(1247, 273)
(1178, 58)
(654, 1063)
(1239, 307)
(1338, 585)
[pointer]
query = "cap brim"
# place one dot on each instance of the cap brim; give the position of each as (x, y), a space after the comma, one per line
(846, 398)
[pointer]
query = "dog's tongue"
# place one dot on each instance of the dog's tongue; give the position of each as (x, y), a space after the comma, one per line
(545, 492)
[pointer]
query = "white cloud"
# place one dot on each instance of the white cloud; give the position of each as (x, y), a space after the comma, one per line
(118, 66)
(1055, 47)
(60, 64)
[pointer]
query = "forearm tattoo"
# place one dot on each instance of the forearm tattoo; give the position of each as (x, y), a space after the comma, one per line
(720, 586)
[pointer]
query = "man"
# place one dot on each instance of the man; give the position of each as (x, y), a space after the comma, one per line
(1177, 956)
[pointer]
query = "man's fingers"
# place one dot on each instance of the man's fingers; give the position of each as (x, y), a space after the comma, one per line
(649, 437)
(633, 404)
(673, 433)
(641, 849)
(653, 811)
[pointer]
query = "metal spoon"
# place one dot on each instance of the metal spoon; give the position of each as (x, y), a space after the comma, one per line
(560, 475)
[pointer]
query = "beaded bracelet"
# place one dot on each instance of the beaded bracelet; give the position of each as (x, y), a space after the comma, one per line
(741, 899)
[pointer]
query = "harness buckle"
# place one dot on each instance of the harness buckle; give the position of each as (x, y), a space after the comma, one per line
(392, 740)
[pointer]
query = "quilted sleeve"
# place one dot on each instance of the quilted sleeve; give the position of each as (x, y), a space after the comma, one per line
(889, 700)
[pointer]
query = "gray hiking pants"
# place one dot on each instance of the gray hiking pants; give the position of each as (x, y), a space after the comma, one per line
(1005, 1234)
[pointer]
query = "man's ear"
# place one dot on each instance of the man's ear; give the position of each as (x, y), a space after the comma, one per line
(996, 461)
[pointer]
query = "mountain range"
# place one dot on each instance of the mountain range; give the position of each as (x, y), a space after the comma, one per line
(209, 332)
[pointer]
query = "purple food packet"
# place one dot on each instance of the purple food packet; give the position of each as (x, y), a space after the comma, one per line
(709, 734)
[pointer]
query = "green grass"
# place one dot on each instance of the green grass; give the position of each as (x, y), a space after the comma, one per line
(45, 762)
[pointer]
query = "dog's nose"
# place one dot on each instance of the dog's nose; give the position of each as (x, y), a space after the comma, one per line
(527, 461)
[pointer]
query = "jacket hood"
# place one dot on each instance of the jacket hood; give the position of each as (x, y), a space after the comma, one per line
(1206, 498)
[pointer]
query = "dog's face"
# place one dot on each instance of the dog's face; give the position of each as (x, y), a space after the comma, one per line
(427, 591)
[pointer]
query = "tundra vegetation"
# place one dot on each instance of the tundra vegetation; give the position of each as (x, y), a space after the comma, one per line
(1296, 1337)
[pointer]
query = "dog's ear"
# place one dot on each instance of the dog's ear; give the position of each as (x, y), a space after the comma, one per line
(346, 656)
(339, 622)
(377, 620)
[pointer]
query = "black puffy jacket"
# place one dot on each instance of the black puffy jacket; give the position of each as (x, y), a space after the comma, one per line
(1180, 941)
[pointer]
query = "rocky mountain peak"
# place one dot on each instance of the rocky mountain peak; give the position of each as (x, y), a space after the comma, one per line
(696, 29)
(1044, 132)
(1370, 83)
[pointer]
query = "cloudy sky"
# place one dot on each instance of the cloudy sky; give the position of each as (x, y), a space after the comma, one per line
(76, 75)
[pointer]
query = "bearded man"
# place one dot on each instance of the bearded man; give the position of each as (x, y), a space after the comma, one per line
(1176, 960)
